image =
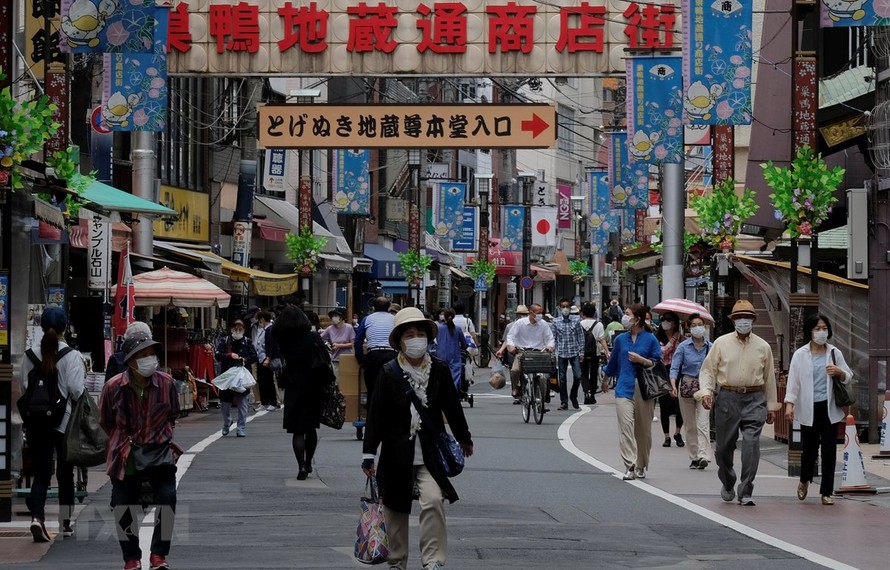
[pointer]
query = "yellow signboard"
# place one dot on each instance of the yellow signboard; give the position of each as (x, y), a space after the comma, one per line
(193, 208)
(407, 126)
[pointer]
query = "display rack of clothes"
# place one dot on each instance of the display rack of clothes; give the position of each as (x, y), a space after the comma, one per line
(203, 367)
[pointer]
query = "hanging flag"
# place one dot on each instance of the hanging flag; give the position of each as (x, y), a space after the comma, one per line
(134, 95)
(565, 206)
(655, 109)
(602, 223)
(353, 181)
(629, 181)
(512, 227)
(598, 191)
(451, 209)
(717, 61)
(109, 26)
(846, 13)
(628, 227)
(544, 221)
(125, 295)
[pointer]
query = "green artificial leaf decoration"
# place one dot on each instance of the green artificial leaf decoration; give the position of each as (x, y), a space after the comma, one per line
(721, 213)
(303, 249)
(415, 265)
(481, 267)
(579, 270)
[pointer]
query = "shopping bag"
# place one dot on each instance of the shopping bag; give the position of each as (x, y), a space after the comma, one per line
(333, 406)
(498, 375)
(245, 380)
(653, 381)
(371, 545)
(85, 440)
(236, 378)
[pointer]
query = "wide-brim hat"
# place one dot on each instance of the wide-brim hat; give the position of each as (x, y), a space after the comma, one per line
(136, 343)
(410, 316)
(742, 308)
(337, 311)
(521, 310)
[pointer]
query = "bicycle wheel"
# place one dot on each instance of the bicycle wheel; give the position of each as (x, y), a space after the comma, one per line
(537, 402)
(526, 405)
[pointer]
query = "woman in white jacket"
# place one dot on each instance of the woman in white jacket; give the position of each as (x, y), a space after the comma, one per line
(809, 398)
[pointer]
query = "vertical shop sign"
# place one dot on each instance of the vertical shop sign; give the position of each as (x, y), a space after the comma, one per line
(639, 231)
(655, 109)
(99, 253)
(352, 194)
(805, 102)
(4, 308)
(512, 230)
(564, 207)
(241, 235)
(450, 209)
(724, 153)
(598, 191)
(274, 170)
(717, 62)
(467, 240)
(57, 91)
(305, 200)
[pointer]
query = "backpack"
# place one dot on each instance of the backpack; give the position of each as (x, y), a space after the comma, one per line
(590, 343)
(42, 406)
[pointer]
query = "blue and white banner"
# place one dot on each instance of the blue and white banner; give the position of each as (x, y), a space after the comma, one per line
(352, 195)
(628, 227)
(469, 238)
(846, 13)
(598, 191)
(602, 223)
(513, 222)
(717, 61)
(112, 26)
(450, 209)
(134, 96)
(629, 181)
(655, 109)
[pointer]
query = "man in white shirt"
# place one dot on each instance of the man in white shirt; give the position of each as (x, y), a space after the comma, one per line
(464, 322)
(591, 364)
(528, 333)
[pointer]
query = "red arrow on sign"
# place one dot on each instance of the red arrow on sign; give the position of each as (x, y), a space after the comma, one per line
(536, 125)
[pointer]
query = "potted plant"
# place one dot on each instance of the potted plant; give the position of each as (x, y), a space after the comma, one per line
(721, 213)
(579, 270)
(482, 267)
(65, 168)
(414, 265)
(804, 192)
(303, 249)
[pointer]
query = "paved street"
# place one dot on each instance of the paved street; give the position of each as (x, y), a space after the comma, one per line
(526, 502)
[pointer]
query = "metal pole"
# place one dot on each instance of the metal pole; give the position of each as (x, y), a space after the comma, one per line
(144, 167)
(672, 227)
(527, 182)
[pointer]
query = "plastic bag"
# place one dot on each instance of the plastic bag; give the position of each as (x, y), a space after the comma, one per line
(237, 378)
(498, 375)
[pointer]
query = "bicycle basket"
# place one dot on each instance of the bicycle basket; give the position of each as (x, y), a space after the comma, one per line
(537, 362)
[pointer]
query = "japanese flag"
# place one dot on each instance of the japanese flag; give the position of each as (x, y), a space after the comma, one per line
(543, 226)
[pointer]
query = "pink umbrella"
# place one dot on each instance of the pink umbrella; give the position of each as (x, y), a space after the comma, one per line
(683, 307)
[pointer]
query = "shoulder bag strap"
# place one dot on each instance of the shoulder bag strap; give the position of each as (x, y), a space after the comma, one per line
(833, 358)
(33, 358)
(415, 401)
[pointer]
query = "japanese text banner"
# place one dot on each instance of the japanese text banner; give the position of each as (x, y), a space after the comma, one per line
(601, 224)
(717, 62)
(134, 96)
(450, 209)
(654, 109)
(846, 13)
(628, 226)
(512, 228)
(468, 238)
(629, 181)
(598, 191)
(109, 26)
(353, 185)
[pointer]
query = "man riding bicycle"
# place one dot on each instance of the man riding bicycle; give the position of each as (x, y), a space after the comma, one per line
(529, 333)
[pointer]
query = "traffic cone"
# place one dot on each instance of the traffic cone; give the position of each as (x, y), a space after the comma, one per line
(884, 453)
(854, 464)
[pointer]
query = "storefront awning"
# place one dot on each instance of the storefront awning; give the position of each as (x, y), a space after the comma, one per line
(212, 262)
(543, 274)
(362, 264)
(285, 215)
(385, 262)
(261, 282)
(460, 273)
(46, 212)
(394, 286)
(104, 198)
(269, 231)
(335, 263)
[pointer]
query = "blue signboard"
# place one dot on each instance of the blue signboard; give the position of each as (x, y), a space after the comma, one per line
(134, 94)
(655, 109)
(451, 209)
(601, 224)
(717, 62)
(846, 13)
(481, 285)
(112, 26)
(598, 190)
(353, 182)
(511, 230)
(468, 240)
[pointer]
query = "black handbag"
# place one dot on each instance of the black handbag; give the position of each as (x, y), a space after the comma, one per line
(333, 406)
(151, 455)
(843, 393)
(653, 381)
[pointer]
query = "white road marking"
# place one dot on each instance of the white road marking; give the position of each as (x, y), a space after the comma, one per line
(146, 527)
(565, 440)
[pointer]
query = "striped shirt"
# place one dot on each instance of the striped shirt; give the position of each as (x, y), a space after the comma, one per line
(375, 328)
(149, 419)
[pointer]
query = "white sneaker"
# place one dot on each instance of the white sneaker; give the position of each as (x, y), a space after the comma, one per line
(655, 419)
(270, 408)
(259, 408)
(640, 473)
(629, 475)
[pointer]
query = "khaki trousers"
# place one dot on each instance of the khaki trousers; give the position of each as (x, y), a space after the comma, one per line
(635, 430)
(433, 534)
(697, 421)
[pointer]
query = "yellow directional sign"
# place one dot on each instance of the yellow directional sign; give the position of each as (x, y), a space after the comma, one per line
(407, 126)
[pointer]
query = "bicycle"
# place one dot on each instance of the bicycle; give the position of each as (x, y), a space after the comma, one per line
(535, 366)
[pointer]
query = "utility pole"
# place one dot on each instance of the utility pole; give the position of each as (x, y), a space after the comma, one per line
(527, 179)
(483, 187)
(142, 155)
(673, 188)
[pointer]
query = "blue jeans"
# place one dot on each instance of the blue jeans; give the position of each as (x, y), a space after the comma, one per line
(562, 367)
(226, 408)
(126, 499)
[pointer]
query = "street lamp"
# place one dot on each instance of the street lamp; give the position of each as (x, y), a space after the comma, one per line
(414, 159)
(483, 186)
(577, 206)
(527, 179)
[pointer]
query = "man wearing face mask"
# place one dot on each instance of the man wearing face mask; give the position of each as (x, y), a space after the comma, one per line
(140, 405)
(529, 333)
(738, 380)
(235, 350)
(569, 339)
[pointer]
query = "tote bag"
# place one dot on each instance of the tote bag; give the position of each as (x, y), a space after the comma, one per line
(371, 545)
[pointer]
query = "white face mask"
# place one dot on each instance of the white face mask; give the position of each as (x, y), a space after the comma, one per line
(820, 337)
(415, 347)
(698, 331)
(565, 311)
(744, 326)
(237, 335)
(335, 320)
(626, 321)
(147, 366)
(667, 325)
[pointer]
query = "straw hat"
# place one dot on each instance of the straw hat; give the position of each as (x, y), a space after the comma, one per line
(741, 309)
(521, 310)
(410, 316)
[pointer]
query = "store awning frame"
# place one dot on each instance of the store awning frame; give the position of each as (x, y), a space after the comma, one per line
(542, 274)
(210, 261)
(104, 198)
(394, 286)
(261, 282)
(336, 263)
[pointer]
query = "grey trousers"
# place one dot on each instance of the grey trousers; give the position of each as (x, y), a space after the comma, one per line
(736, 412)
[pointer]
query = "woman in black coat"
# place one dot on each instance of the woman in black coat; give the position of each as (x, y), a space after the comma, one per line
(409, 468)
(300, 348)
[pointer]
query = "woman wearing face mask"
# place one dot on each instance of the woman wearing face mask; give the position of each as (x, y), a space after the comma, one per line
(340, 335)
(809, 398)
(235, 350)
(685, 365)
(637, 347)
(669, 336)
(409, 468)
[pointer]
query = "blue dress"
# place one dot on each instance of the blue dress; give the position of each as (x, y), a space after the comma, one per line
(448, 345)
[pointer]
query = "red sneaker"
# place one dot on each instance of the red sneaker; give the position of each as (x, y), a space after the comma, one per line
(133, 565)
(158, 562)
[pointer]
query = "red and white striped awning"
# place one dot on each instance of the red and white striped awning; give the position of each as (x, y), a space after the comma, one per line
(164, 287)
